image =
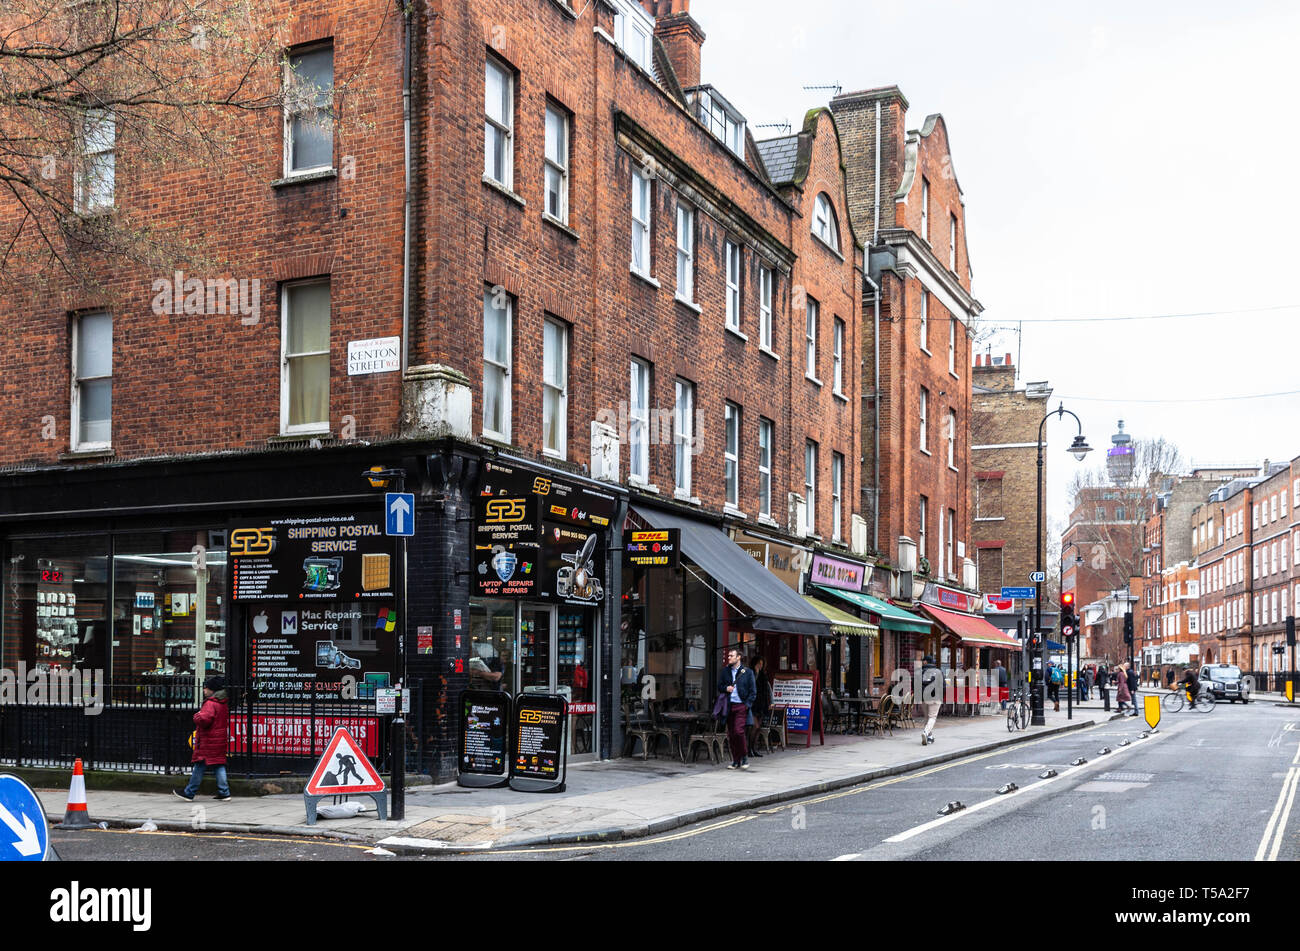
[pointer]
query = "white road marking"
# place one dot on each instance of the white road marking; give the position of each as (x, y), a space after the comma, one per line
(1011, 797)
(1274, 830)
(847, 858)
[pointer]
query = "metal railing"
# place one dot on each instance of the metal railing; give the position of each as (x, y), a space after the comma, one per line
(146, 726)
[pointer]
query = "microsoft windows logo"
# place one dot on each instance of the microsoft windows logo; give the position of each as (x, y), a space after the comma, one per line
(387, 620)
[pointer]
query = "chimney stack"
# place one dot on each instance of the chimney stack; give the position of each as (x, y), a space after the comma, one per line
(681, 36)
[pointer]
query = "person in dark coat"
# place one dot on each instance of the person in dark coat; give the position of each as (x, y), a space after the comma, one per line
(762, 702)
(211, 733)
(736, 682)
(1103, 685)
(1134, 682)
(1122, 691)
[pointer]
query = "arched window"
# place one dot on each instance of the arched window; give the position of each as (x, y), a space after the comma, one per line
(825, 225)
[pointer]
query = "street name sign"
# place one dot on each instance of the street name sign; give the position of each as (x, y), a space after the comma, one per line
(1023, 593)
(24, 833)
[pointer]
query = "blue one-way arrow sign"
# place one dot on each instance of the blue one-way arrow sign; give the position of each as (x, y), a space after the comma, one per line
(24, 834)
(399, 508)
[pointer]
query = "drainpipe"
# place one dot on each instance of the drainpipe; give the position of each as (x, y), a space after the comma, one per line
(875, 224)
(406, 147)
(875, 430)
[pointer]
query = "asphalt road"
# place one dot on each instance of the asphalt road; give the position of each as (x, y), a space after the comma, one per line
(1220, 781)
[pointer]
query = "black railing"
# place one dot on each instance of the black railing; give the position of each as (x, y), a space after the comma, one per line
(146, 726)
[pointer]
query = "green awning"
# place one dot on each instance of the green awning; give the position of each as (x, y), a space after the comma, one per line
(842, 622)
(892, 617)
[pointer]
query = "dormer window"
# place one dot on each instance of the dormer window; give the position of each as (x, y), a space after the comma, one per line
(825, 225)
(634, 31)
(720, 118)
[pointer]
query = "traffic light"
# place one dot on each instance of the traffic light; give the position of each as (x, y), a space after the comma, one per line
(1290, 631)
(1068, 618)
(1128, 628)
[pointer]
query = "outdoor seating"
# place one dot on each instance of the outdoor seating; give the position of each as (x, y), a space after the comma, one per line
(713, 741)
(833, 718)
(904, 714)
(663, 729)
(883, 718)
(637, 726)
(773, 728)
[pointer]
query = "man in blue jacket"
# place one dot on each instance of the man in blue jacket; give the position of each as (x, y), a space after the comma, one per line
(737, 682)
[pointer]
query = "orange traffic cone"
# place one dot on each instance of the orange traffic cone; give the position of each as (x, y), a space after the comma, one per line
(76, 816)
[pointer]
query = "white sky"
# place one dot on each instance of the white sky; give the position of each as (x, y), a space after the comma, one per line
(1117, 159)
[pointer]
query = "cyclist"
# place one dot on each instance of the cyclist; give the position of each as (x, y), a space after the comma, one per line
(1190, 685)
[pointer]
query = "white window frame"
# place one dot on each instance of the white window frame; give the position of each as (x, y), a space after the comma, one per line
(952, 345)
(686, 253)
(321, 426)
(505, 129)
(813, 314)
(557, 165)
(925, 412)
(731, 417)
(732, 263)
(952, 242)
(77, 444)
(810, 483)
(839, 357)
(560, 386)
(837, 496)
(825, 224)
(95, 181)
(951, 560)
(766, 434)
(642, 220)
(638, 434)
(765, 281)
(925, 209)
(683, 434)
(294, 107)
(925, 320)
(505, 370)
(923, 512)
(952, 438)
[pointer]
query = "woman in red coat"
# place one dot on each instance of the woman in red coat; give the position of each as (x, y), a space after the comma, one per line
(210, 736)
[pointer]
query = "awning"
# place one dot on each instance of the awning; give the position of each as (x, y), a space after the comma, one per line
(842, 622)
(892, 617)
(776, 608)
(972, 630)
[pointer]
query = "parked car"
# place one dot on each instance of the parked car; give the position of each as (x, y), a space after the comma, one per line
(1225, 682)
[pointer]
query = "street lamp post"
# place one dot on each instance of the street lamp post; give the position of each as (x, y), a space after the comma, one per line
(1079, 448)
(1072, 660)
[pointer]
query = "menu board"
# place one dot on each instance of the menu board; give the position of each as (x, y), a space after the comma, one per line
(485, 725)
(796, 695)
(538, 755)
(316, 558)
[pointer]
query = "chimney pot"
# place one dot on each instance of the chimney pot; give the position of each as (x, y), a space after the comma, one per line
(1008, 359)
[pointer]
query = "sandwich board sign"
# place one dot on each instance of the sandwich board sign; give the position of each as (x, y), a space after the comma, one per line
(24, 833)
(539, 760)
(484, 754)
(344, 770)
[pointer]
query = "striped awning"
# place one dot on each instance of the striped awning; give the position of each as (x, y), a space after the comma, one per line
(842, 622)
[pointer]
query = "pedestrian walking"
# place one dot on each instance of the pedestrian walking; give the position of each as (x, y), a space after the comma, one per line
(1169, 679)
(210, 737)
(1122, 691)
(762, 702)
(1085, 684)
(1055, 676)
(1134, 683)
(1001, 673)
(931, 696)
(737, 682)
(1103, 686)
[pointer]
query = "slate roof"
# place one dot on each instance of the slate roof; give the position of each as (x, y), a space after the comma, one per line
(780, 155)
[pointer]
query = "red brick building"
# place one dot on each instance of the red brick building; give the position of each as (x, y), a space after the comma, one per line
(602, 289)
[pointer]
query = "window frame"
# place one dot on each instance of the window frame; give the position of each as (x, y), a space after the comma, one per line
(825, 223)
(639, 371)
(766, 283)
(506, 371)
(925, 209)
(290, 113)
(686, 256)
(766, 440)
(812, 314)
(683, 434)
(551, 165)
(731, 418)
(76, 443)
(562, 387)
(952, 438)
(286, 397)
(952, 242)
(83, 187)
(924, 420)
(837, 496)
(925, 320)
(733, 267)
(837, 384)
(506, 130)
(643, 194)
(810, 483)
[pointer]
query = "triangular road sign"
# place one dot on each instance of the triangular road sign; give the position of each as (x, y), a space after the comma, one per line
(344, 769)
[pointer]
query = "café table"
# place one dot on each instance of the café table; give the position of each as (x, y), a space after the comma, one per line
(858, 706)
(683, 721)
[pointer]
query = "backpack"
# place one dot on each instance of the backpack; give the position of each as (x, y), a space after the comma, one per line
(1057, 676)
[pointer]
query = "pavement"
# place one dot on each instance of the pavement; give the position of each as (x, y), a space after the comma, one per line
(614, 799)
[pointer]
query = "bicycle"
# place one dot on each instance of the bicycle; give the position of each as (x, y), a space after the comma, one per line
(1017, 710)
(1177, 701)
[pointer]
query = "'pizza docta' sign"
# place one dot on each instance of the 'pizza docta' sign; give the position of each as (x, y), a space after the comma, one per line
(836, 573)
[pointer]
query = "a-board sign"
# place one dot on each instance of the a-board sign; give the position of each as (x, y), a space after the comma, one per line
(656, 549)
(537, 753)
(485, 723)
(344, 770)
(797, 693)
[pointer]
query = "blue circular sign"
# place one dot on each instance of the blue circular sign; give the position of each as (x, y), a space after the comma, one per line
(24, 833)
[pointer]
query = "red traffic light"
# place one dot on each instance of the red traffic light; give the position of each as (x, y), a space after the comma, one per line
(1067, 599)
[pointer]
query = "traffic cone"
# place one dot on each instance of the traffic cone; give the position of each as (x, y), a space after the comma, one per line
(76, 816)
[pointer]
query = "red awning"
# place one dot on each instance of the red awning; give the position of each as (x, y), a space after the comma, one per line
(971, 629)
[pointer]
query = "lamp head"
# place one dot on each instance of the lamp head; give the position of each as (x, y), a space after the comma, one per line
(1079, 448)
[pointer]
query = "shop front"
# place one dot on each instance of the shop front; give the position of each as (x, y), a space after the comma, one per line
(904, 637)
(677, 621)
(539, 585)
(968, 645)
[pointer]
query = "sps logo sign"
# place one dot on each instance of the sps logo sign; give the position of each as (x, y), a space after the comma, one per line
(252, 541)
